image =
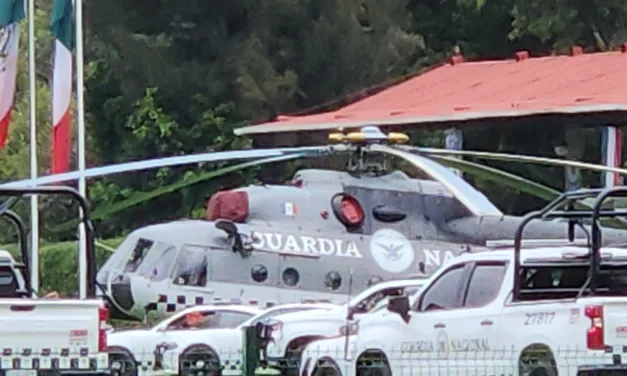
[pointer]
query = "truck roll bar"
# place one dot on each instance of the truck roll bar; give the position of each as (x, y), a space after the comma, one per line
(20, 228)
(564, 207)
(14, 193)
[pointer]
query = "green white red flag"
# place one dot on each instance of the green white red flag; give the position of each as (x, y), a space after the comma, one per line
(11, 13)
(62, 27)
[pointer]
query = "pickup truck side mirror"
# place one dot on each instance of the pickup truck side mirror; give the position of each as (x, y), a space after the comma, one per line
(400, 306)
(350, 314)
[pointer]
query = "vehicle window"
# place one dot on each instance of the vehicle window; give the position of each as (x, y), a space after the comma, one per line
(374, 299)
(444, 292)
(192, 266)
(485, 284)
(232, 319)
(281, 311)
(8, 283)
(140, 251)
(555, 282)
(195, 320)
(406, 291)
(158, 262)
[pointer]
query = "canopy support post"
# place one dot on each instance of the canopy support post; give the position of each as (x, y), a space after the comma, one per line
(611, 152)
(454, 141)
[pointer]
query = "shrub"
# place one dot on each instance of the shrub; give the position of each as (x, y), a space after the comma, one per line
(58, 264)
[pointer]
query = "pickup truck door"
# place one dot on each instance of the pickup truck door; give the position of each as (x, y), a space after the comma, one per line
(423, 343)
(466, 327)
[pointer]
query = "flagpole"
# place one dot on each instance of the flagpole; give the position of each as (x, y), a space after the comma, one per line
(78, 6)
(34, 202)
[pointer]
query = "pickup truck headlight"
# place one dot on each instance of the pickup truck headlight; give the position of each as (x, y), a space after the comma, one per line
(350, 329)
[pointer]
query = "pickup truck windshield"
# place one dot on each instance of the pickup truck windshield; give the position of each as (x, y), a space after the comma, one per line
(561, 282)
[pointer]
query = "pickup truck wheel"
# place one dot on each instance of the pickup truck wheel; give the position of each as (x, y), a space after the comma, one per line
(199, 360)
(543, 370)
(373, 363)
(538, 361)
(121, 362)
(326, 367)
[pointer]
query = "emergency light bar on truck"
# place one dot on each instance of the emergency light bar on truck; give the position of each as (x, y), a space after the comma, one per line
(564, 207)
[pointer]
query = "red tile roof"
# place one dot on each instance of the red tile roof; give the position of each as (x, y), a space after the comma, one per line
(519, 87)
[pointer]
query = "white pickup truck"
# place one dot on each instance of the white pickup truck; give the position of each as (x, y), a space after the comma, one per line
(291, 332)
(474, 317)
(56, 336)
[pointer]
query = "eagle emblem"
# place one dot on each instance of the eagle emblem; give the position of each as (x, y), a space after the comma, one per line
(392, 252)
(5, 43)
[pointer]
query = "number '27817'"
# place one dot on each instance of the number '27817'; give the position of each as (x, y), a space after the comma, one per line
(539, 318)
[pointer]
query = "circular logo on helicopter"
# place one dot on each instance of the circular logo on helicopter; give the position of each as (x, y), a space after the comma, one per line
(391, 250)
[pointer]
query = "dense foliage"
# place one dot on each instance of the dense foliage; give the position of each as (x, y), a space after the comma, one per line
(169, 78)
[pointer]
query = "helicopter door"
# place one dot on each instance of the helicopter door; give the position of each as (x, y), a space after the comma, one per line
(192, 269)
(251, 279)
(303, 278)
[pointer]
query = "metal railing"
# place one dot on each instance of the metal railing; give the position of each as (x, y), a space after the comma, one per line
(335, 359)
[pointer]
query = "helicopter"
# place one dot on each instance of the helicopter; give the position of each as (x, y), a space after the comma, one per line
(321, 237)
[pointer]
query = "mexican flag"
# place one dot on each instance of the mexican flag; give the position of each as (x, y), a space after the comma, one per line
(11, 13)
(62, 27)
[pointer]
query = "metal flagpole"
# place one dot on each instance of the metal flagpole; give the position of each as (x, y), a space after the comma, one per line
(34, 202)
(78, 6)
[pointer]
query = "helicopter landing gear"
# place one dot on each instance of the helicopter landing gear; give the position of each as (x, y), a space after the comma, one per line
(199, 360)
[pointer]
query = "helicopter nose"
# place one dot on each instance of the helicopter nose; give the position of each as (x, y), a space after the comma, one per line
(121, 293)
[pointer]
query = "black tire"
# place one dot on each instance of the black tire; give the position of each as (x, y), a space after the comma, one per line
(540, 365)
(373, 364)
(543, 369)
(121, 362)
(326, 367)
(199, 358)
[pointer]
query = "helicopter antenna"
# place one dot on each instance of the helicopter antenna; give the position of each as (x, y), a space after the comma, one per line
(348, 313)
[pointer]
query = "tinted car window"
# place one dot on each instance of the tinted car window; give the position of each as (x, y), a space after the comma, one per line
(485, 284)
(281, 311)
(231, 319)
(444, 293)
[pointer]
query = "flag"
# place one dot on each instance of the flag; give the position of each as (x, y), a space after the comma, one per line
(612, 149)
(62, 27)
(11, 13)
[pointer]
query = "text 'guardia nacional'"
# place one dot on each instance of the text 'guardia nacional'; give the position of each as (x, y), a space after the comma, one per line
(288, 243)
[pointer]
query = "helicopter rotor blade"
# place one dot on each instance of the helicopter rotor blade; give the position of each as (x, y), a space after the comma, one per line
(165, 162)
(514, 158)
(499, 176)
(475, 201)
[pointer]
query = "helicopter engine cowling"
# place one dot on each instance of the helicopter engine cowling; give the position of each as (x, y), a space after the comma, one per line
(478, 230)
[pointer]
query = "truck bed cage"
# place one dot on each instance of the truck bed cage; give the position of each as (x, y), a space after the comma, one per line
(24, 262)
(564, 207)
(14, 193)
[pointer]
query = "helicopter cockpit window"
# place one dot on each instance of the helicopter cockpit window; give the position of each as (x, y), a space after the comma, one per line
(191, 266)
(158, 262)
(137, 256)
